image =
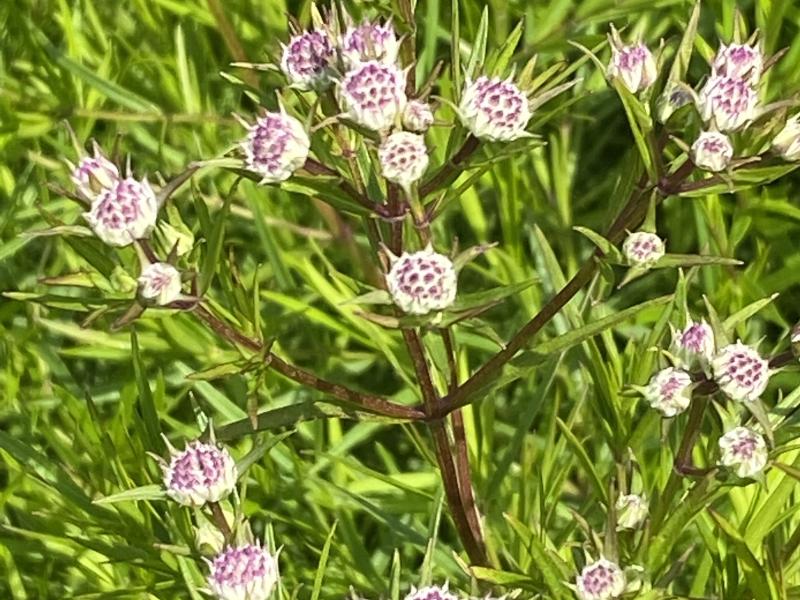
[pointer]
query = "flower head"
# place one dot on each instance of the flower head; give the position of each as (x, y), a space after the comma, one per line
(422, 282)
(669, 391)
(740, 372)
(431, 592)
(633, 65)
(93, 174)
(124, 212)
(673, 98)
(494, 109)
(745, 450)
(369, 41)
(403, 157)
(600, 580)
(247, 572)
(712, 151)
(308, 59)
(695, 343)
(729, 102)
(374, 94)
(200, 473)
(160, 283)
(417, 116)
(275, 147)
(787, 142)
(632, 510)
(739, 61)
(643, 249)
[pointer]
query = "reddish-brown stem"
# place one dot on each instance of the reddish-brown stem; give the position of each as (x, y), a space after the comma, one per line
(450, 171)
(314, 167)
(220, 521)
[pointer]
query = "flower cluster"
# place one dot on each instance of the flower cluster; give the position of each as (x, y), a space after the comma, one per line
(643, 249)
(600, 580)
(199, 474)
(632, 64)
(422, 282)
(244, 572)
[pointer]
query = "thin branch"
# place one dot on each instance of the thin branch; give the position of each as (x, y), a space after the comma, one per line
(450, 171)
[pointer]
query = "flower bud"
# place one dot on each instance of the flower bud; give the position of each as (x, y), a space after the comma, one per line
(643, 249)
(374, 94)
(738, 61)
(160, 283)
(93, 174)
(431, 592)
(201, 473)
(275, 147)
(669, 391)
(744, 450)
(633, 65)
(695, 344)
(740, 372)
(417, 116)
(404, 158)
(712, 151)
(727, 102)
(124, 212)
(632, 510)
(673, 98)
(369, 41)
(787, 142)
(308, 59)
(494, 109)
(247, 572)
(601, 580)
(422, 282)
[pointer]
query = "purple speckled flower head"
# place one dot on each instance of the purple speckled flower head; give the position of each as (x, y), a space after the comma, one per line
(124, 212)
(417, 116)
(740, 372)
(201, 473)
(633, 65)
(93, 174)
(669, 391)
(494, 109)
(431, 592)
(694, 344)
(712, 151)
(744, 450)
(369, 41)
(643, 249)
(403, 158)
(275, 147)
(739, 61)
(160, 283)
(601, 580)
(247, 572)
(727, 102)
(374, 94)
(422, 282)
(787, 142)
(308, 60)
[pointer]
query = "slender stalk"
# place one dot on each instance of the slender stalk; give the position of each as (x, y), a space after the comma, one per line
(315, 167)
(220, 521)
(448, 172)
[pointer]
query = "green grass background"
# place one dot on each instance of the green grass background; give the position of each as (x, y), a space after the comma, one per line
(151, 72)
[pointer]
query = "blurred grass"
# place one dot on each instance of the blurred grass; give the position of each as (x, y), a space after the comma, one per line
(71, 429)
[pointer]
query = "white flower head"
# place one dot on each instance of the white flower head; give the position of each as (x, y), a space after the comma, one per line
(422, 282)
(417, 116)
(643, 249)
(494, 109)
(431, 592)
(728, 102)
(308, 60)
(403, 158)
(740, 372)
(247, 572)
(787, 142)
(200, 473)
(739, 61)
(632, 510)
(712, 151)
(370, 41)
(275, 147)
(694, 344)
(93, 174)
(601, 580)
(124, 212)
(669, 391)
(633, 65)
(743, 450)
(160, 283)
(374, 94)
